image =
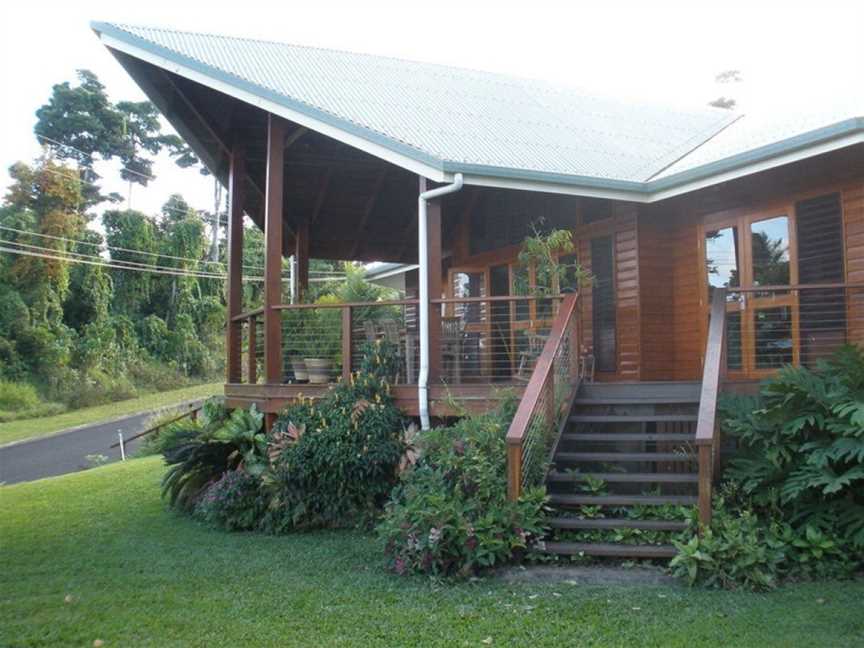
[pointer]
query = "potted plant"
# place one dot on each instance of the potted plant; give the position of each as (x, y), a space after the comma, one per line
(325, 337)
(295, 322)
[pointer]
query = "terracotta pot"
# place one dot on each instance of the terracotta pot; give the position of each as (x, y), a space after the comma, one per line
(319, 370)
(298, 366)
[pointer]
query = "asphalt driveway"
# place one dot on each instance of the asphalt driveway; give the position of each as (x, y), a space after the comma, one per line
(66, 451)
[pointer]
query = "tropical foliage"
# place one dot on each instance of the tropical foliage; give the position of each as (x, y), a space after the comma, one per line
(793, 502)
(450, 515)
(325, 464)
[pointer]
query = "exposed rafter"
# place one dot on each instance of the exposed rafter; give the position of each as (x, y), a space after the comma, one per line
(368, 209)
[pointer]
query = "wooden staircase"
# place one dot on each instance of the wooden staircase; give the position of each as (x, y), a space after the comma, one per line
(624, 477)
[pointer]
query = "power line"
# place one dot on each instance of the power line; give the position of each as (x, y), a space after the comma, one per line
(105, 246)
(132, 264)
(148, 270)
(335, 274)
(169, 271)
(69, 146)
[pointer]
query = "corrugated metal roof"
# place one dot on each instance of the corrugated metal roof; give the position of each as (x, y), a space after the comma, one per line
(463, 120)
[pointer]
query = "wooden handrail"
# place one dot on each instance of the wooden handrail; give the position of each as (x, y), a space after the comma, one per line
(540, 378)
(706, 422)
(497, 298)
(782, 288)
(389, 302)
(247, 315)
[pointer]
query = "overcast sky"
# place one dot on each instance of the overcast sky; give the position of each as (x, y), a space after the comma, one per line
(794, 57)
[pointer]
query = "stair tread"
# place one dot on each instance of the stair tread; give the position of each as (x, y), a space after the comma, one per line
(628, 436)
(625, 456)
(611, 549)
(625, 477)
(636, 400)
(633, 418)
(621, 500)
(617, 523)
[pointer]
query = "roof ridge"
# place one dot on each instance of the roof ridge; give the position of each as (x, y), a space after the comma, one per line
(696, 147)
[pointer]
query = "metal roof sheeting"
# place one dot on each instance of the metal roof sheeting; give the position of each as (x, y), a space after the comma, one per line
(462, 119)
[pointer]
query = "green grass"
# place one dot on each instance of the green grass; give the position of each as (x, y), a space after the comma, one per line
(37, 427)
(139, 575)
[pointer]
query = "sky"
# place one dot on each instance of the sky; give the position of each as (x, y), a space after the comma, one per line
(793, 56)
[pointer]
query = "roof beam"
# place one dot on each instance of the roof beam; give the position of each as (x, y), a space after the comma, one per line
(367, 211)
(322, 195)
(206, 125)
(295, 135)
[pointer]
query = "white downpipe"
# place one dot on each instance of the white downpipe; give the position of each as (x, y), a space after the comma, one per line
(423, 254)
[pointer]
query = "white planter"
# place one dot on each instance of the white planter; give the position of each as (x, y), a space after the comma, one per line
(298, 366)
(319, 370)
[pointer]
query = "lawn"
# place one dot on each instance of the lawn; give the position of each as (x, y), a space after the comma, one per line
(138, 575)
(36, 427)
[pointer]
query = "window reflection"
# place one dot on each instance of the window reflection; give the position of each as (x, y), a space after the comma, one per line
(770, 241)
(773, 328)
(469, 284)
(721, 260)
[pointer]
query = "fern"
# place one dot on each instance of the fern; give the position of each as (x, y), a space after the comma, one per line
(801, 444)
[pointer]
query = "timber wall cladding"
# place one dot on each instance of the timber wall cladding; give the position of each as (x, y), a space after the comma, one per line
(622, 229)
(656, 249)
(627, 291)
(853, 222)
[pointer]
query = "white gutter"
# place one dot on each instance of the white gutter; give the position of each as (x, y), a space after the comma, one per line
(423, 254)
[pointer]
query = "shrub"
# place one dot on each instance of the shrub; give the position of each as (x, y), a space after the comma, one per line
(17, 396)
(450, 515)
(232, 502)
(736, 552)
(801, 445)
(743, 550)
(335, 461)
(207, 450)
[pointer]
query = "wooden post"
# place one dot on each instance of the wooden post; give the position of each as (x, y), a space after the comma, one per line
(514, 471)
(273, 250)
(433, 228)
(236, 179)
(346, 343)
(252, 356)
(301, 255)
(705, 479)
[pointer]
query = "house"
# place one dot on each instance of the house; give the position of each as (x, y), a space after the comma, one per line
(721, 247)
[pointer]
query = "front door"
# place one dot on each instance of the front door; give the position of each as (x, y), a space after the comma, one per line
(755, 254)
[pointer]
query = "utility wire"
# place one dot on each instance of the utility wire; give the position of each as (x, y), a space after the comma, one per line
(133, 264)
(335, 274)
(148, 270)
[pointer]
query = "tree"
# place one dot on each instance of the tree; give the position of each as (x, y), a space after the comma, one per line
(83, 124)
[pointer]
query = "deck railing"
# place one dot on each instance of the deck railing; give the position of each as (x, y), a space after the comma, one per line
(485, 340)
(755, 331)
(773, 326)
(546, 402)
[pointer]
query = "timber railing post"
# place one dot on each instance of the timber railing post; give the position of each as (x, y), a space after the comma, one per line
(234, 291)
(706, 423)
(346, 343)
(252, 357)
(273, 372)
(514, 471)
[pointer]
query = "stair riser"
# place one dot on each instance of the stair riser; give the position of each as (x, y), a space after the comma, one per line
(617, 488)
(637, 409)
